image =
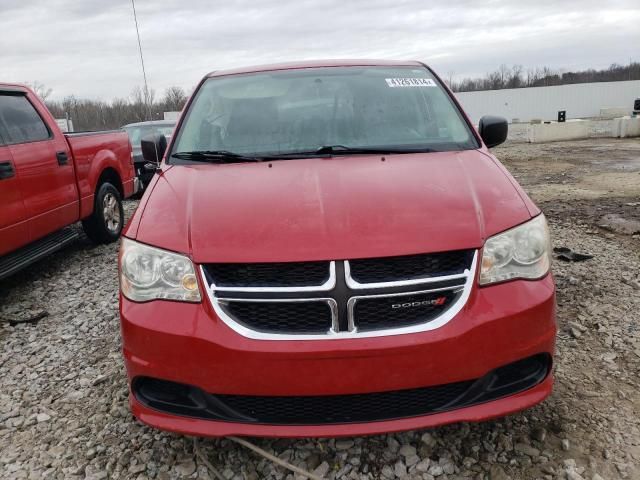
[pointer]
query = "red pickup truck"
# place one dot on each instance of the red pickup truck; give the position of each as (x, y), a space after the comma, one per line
(329, 249)
(50, 180)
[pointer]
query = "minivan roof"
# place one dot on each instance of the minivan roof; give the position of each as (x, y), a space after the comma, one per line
(13, 87)
(317, 63)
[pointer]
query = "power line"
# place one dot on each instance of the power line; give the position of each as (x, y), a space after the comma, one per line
(144, 73)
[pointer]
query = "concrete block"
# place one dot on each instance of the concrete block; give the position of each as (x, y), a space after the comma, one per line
(554, 131)
(614, 112)
(626, 127)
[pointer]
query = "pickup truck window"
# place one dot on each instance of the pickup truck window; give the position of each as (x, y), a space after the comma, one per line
(21, 121)
(303, 110)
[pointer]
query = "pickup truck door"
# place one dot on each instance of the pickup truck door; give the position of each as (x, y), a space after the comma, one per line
(43, 164)
(14, 231)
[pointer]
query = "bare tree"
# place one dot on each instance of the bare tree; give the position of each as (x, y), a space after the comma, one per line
(40, 89)
(143, 99)
(503, 75)
(515, 77)
(531, 77)
(174, 99)
(449, 79)
(494, 80)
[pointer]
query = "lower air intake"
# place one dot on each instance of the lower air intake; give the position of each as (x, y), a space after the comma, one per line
(184, 400)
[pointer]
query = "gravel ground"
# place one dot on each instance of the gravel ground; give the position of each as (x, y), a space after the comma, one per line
(63, 393)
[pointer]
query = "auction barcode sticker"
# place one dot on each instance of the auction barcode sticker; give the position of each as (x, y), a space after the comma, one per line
(410, 82)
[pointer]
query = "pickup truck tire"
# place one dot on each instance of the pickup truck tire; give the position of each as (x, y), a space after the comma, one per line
(107, 220)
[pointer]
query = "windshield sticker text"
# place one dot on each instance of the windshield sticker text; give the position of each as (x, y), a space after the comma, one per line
(410, 82)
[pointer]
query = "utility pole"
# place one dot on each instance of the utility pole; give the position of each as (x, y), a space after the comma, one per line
(144, 73)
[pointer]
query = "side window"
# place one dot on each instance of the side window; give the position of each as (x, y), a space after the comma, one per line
(21, 121)
(4, 137)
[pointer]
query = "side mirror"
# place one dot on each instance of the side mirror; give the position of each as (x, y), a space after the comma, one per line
(493, 130)
(153, 147)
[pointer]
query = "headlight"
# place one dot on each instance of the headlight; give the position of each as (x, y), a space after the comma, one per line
(522, 252)
(148, 273)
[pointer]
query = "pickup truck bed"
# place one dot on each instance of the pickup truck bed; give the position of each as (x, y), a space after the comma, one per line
(90, 164)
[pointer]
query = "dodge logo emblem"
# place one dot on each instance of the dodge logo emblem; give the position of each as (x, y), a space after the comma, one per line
(435, 301)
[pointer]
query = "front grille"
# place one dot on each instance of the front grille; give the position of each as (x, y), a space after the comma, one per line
(179, 399)
(281, 317)
(332, 298)
(410, 267)
(292, 274)
(377, 313)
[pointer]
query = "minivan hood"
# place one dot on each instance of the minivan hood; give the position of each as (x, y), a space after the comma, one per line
(331, 208)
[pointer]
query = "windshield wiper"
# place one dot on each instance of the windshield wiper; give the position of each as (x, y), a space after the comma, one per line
(343, 149)
(333, 150)
(215, 156)
(225, 156)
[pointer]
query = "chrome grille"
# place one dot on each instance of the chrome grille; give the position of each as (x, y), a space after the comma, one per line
(410, 267)
(340, 305)
(376, 311)
(282, 316)
(282, 274)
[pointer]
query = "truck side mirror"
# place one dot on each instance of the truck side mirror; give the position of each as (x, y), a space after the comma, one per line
(153, 147)
(493, 130)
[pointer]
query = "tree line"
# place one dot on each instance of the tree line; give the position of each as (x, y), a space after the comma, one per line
(516, 76)
(140, 106)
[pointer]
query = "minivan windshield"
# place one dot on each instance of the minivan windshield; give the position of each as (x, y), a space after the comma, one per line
(328, 109)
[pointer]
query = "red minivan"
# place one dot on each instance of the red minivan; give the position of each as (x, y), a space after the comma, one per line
(330, 249)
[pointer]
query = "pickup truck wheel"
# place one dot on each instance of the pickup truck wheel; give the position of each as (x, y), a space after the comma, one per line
(107, 220)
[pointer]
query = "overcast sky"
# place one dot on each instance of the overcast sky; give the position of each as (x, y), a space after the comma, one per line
(88, 47)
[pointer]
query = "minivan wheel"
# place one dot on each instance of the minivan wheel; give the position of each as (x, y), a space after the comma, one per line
(107, 220)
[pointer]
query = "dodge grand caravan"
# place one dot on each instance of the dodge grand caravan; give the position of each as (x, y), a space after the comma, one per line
(330, 249)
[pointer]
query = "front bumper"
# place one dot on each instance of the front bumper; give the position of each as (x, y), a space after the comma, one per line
(188, 344)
